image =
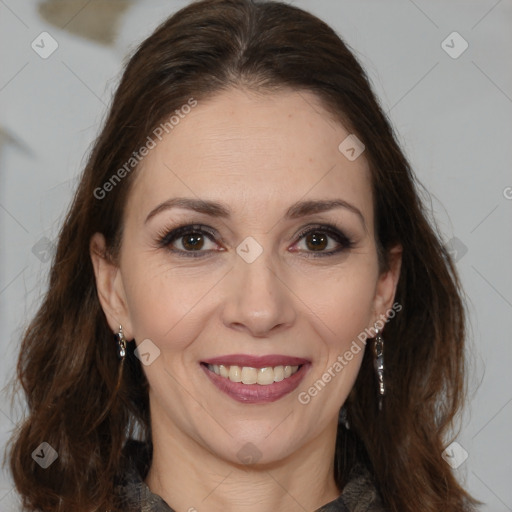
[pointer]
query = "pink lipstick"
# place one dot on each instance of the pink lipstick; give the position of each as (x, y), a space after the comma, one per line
(265, 378)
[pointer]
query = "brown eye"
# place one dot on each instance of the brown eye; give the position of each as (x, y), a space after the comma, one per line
(193, 241)
(323, 240)
(317, 241)
(190, 240)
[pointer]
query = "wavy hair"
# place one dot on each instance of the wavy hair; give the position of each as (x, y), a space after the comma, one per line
(86, 405)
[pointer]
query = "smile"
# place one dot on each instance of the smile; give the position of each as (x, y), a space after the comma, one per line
(248, 375)
(256, 379)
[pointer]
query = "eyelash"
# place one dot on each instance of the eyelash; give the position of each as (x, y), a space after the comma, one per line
(166, 237)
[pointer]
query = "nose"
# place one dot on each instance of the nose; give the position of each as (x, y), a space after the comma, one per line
(258, 301)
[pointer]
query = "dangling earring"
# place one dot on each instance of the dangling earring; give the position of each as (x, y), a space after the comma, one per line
(343, 418)
(121, 344)
(378, 350)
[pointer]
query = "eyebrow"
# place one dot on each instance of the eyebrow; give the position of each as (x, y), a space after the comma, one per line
(214, 209)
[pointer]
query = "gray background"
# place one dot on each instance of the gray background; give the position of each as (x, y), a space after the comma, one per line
(453, 117)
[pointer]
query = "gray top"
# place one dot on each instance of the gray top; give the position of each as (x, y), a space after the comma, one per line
(359, 494)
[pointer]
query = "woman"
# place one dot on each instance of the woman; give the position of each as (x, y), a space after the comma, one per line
(248, 308)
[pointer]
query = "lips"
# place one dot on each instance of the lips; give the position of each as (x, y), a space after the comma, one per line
(244, 387)
(256, 361)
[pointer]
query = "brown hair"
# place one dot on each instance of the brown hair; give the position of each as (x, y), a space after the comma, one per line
(85, 407)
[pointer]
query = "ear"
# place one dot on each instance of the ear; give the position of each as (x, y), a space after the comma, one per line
(109, 284)
(386, 284)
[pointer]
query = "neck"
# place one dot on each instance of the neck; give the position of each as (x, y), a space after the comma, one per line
(190, 478)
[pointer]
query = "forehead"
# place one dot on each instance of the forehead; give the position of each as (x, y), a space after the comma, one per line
(255, 152)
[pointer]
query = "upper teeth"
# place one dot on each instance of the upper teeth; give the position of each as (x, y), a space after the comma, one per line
(249, 375)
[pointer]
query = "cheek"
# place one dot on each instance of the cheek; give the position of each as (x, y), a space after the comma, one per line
(161, 298)
(350, 313)
(340, 300)
(339, 311)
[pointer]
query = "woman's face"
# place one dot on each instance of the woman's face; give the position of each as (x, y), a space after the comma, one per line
(274, 266)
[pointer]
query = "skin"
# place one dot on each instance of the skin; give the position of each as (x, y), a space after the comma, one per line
(257, 154)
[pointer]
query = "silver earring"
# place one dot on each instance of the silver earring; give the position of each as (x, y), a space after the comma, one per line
(378, 350)
(121, 344)
(343, 418)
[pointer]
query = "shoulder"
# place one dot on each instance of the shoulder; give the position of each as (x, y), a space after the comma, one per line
(132, 492)
(359, 494)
